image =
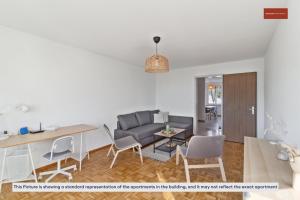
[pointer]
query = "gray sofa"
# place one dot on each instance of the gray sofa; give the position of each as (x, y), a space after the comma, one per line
(141, 126)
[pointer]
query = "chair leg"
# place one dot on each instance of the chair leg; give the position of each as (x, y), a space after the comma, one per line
(113, 162)
(140, 152)
(46, 173)
(111, 146)
(58, 170)
(186, 166)
(74, 167)
(69, 175)
(187, 173)
(113, 150)
(51, 177)
(222, 169)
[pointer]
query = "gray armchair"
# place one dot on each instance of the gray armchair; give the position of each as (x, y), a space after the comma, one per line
(122, 144)
(202, 147)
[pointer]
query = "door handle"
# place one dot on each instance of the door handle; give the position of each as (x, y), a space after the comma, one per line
(252, 109)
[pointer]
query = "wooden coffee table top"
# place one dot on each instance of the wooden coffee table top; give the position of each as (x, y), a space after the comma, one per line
(176, 132)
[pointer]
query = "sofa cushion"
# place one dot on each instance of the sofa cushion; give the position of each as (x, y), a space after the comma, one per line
(180, 125)
(128, 121)
(143, 117)
(145, 131)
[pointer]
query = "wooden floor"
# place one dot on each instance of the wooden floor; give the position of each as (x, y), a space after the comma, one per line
(209, 127)
(128, 169)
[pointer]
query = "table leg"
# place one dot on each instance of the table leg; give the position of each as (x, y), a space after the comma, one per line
(32, 164)
(3, 166)
(80, 152)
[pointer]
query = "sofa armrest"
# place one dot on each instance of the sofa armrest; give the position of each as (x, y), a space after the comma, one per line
(118, 133)
(188, 121)
(180, 119)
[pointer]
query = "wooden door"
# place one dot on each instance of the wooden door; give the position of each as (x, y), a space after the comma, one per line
(239, 106)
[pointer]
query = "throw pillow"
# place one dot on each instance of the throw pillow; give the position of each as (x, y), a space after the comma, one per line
(161, 117)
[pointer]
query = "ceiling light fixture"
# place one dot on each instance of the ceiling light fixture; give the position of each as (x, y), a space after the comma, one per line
(156, 63)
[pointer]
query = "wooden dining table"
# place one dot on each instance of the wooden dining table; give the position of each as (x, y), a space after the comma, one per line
(210, 110)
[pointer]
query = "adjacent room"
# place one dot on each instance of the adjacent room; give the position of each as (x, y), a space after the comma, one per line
(209, 98)
(153, 92)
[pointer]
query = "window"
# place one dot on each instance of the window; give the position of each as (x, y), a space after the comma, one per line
(214, 93)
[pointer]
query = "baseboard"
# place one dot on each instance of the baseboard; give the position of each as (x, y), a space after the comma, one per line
(100, 148)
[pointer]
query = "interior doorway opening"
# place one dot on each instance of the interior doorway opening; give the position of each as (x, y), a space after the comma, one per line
(209, 105)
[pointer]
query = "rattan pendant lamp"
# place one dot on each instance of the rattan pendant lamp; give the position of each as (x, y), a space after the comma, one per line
(156, 63)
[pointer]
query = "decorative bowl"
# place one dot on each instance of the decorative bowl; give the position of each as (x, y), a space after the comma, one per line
(168, 132)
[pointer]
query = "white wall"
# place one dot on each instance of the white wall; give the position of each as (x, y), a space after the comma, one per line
(176, 90)
(64, 85)
(282, 71)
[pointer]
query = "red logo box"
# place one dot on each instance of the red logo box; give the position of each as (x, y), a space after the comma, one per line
(275, 13)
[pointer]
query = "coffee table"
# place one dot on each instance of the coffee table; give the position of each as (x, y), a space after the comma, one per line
(172, 143)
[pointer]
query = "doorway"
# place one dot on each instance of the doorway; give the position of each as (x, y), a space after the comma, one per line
(209, 105)
(227, 104)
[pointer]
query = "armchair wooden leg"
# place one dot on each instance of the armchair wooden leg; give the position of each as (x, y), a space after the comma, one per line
(110, 149)
(140, 152)
(113, 162)
(187, 173)
(113, 150)
(222, 169)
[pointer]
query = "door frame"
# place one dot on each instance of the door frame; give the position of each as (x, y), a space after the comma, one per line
(196, 101)
(260, 116)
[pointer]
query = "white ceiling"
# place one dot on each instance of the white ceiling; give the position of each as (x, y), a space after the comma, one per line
(193, 32)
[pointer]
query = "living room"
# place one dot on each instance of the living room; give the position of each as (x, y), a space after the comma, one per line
(69, 63)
